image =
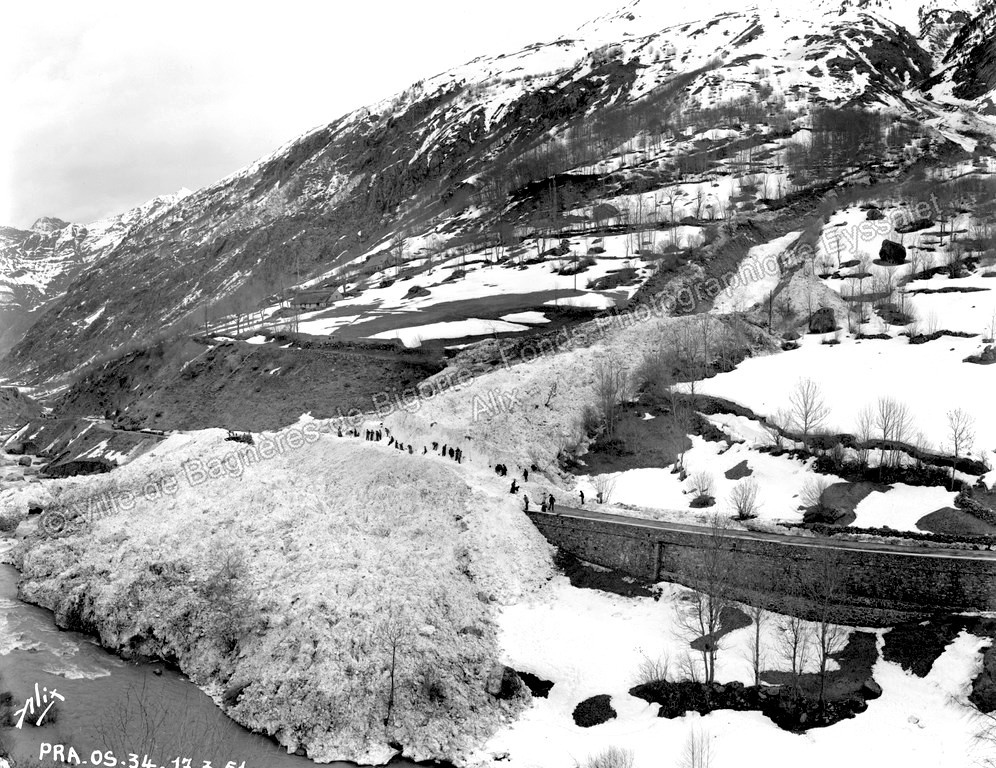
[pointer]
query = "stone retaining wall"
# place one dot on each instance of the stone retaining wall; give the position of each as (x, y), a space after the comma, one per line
(881, 588)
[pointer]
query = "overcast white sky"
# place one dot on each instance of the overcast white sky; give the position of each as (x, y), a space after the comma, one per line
(108, 104)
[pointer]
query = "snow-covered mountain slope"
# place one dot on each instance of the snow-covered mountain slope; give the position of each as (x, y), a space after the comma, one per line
(970, 63)
(38, 265)
(456, 156)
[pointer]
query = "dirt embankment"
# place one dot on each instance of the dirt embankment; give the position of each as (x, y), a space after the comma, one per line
(199, 383)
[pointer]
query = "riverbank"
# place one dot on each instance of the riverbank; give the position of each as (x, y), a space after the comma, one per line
(111, 704)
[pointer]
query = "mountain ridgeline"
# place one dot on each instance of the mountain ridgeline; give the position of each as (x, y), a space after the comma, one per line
(469, 157)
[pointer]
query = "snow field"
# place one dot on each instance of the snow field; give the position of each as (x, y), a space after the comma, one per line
(931, 378)
(479, 282)
(901, 507)
(758, 274)
(454, 329)
(656, 488)
(588, 643)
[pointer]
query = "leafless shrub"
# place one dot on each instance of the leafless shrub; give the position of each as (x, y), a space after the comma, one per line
(604, 486)
(689, 668)
(653, 670)
(814, 492)
(613, 757)
(780, 422)
(913, 326)
(702, 483)
(743, 498)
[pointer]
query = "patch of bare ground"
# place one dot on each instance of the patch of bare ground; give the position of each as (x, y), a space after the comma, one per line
(638, 443)
(196, 384)
(955, 522)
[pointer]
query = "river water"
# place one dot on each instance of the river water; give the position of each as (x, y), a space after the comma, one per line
(115, 705)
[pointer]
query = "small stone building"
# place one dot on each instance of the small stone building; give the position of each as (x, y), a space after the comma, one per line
(318, 298)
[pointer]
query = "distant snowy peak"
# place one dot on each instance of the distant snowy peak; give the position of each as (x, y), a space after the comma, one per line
(37, 265)
(148, 210)
(642, 17)
(863, 49)
(971, 59)
(835, 50)
(938, 27)
(47, 224)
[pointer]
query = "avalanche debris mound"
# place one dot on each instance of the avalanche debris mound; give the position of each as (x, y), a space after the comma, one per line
(293, 581)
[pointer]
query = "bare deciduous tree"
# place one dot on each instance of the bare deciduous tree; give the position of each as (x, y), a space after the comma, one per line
(961, 432)
(701, 615)
(759, 616)
(824, 583)
(698, 750)
(864, 426)
(611, 382)
(394, 630)
(794, 636)
(671, 201)
(809, 409)
(892, 418)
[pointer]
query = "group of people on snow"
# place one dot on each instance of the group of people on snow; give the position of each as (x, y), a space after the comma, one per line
(547, 501)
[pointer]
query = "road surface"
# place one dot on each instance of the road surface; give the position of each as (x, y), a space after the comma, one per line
(913, 549)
